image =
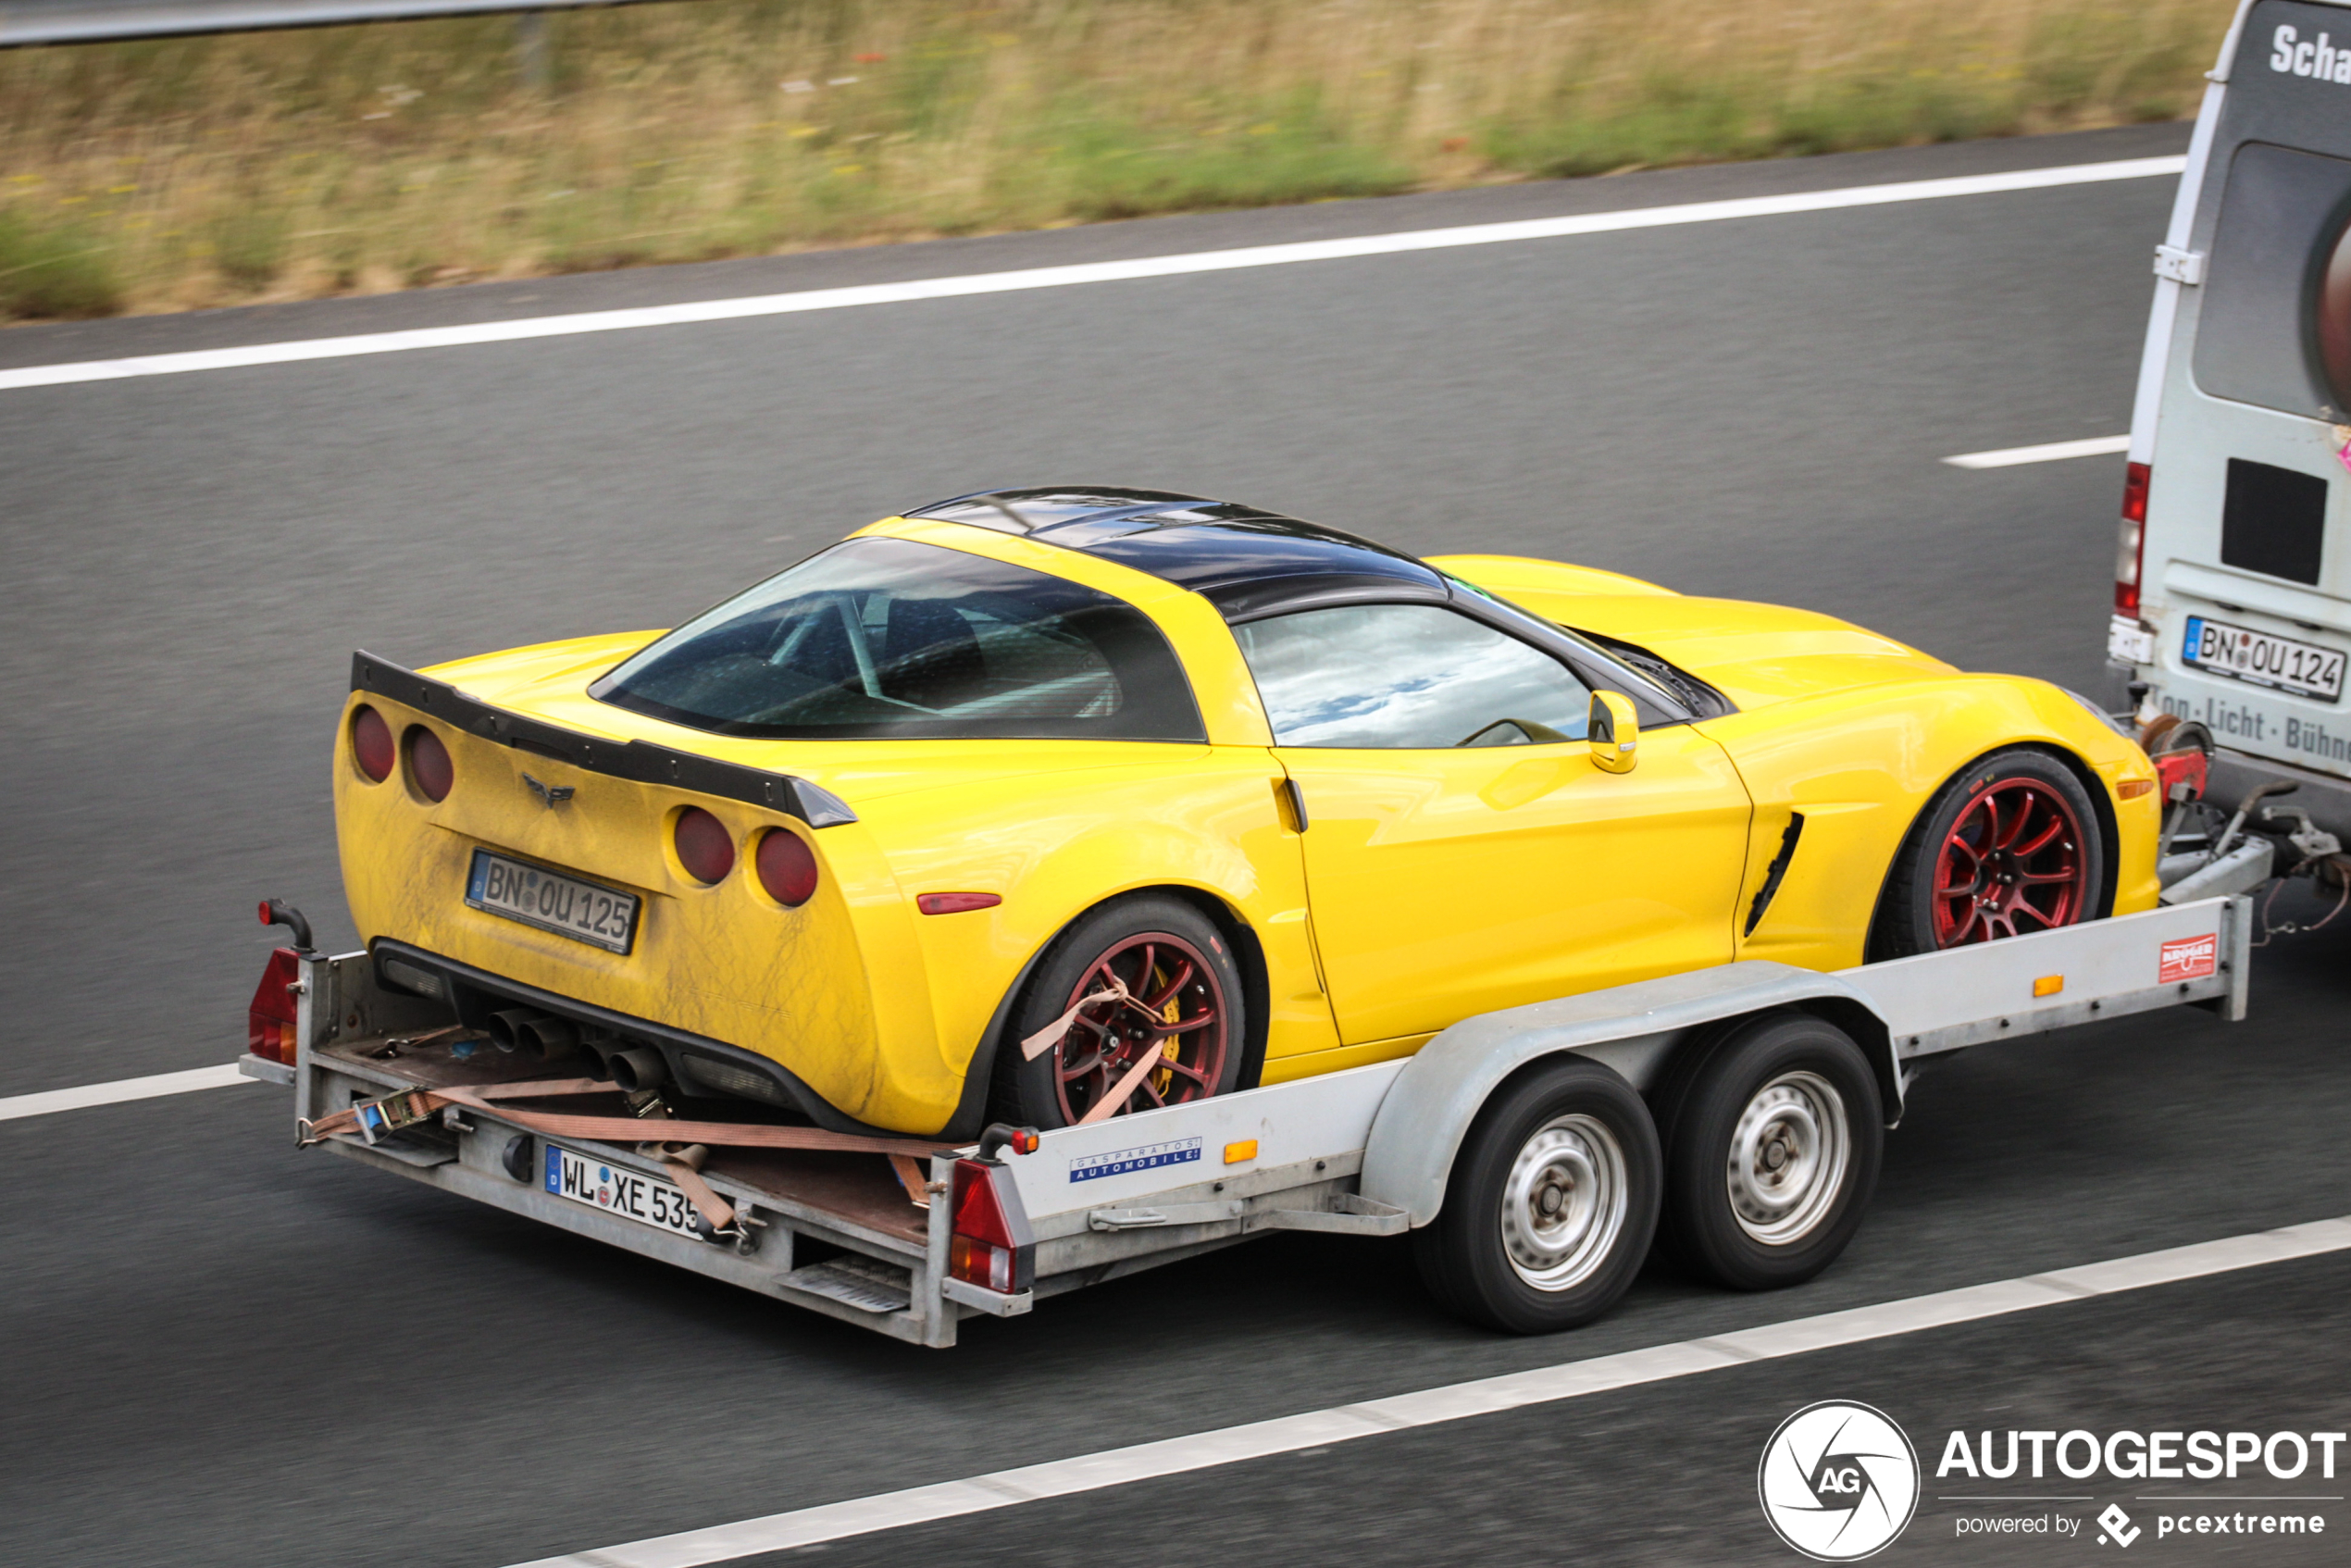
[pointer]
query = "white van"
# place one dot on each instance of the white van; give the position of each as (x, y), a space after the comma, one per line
(2232, 589)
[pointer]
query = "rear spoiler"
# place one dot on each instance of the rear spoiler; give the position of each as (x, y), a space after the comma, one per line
(640, 762)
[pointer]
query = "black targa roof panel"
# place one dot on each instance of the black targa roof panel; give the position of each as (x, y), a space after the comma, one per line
(1243, 559)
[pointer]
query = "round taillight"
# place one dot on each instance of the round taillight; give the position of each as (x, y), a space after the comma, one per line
(428, 763)
(372, 744)
(704, 847)
(786, 867)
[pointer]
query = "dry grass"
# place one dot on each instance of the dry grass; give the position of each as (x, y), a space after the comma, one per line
(165, 175)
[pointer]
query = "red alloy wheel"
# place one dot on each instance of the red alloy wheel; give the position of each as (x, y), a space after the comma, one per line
(2011, 865)
(1177, 1003)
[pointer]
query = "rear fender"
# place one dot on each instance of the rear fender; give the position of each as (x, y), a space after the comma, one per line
(1248, 953)
(1065, 844)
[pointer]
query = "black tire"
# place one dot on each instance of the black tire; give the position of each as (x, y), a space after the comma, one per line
(1737, 1210)
(1906, 921)
(1564, 1132)
(1032, 1093)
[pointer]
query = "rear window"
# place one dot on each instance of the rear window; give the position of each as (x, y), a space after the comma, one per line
(891, 638)
(2276, 327)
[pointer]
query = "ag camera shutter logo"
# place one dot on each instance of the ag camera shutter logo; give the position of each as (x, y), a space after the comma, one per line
(1839, 1481)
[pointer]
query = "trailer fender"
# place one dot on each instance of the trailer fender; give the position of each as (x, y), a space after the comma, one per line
(1634, 1028)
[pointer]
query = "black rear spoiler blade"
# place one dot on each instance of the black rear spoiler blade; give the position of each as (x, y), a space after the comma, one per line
(637, 761)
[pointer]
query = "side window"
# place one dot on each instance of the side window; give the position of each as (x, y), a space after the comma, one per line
(1407, 675)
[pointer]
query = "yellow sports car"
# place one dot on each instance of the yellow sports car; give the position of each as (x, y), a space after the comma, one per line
(1050, 804)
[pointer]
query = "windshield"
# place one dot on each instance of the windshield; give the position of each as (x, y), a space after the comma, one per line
(887, 637)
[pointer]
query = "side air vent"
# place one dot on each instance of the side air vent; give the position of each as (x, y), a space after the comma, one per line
(1778, 869)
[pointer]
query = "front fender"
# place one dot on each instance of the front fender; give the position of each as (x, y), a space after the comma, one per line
(1632, 1028)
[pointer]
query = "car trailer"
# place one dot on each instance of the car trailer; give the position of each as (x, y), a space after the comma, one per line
(1534, 1148)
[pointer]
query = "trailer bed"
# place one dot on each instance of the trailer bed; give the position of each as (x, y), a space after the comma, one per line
(843, 1234)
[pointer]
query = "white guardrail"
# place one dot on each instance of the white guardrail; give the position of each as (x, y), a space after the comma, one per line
(27, 23)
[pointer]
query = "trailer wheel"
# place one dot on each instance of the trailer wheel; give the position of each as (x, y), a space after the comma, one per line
(1551, 1204)
(2010, 847)
(1187, 999)
(1773, 1153)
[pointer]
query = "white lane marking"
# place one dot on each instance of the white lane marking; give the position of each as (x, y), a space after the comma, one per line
(119, 1091)
(1114, 1468)
(1091, 273)
(2009, 457)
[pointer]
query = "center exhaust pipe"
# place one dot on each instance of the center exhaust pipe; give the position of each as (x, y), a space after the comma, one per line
(548, 1037)
(638, 1070)
(533, 1034)
(505, 1030)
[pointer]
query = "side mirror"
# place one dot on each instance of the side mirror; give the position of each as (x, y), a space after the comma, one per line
(1615, 733)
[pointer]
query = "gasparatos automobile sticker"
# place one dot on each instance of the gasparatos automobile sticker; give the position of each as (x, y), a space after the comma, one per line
(1090, 1168)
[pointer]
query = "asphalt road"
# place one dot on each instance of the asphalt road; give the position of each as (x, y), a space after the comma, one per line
(213, 1349)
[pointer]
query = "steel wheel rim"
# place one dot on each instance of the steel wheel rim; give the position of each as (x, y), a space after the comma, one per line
(1788, 1157)
(1563, 1202)
(1178, 1002)
(2011, 863)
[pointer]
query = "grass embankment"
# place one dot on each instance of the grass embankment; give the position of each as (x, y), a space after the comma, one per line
(165, 175)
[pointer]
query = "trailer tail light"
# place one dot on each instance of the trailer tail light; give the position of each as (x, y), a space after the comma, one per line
(786, 867)
(704, 847)
(991, 1245)
(428, 765)
(2130, 553)
(269, 1022)
(371, 745)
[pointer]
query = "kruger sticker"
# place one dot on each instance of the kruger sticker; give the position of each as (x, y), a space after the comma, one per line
(2189, 958)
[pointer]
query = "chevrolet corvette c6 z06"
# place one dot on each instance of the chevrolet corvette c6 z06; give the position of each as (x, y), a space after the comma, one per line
(1062, 802)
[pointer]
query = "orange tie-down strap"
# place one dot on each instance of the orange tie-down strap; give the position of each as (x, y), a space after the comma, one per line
(680, 1150)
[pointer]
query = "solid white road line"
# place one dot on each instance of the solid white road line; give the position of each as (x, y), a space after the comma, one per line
(1093, 272)
(2009, 457)
(122, 1090)
(1115, 1467)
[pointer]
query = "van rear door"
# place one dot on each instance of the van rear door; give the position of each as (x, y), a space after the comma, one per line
(2243, 606)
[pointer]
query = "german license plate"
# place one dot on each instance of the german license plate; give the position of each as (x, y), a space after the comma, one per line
(616, 1190)
(2241, 654)
(553, 902)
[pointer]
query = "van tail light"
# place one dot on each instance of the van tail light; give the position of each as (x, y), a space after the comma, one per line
(704, 847)
(991, 1245)
(371, 745)
(786, 867)
(428, 765)
(269, 1022)
(2130, 553)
